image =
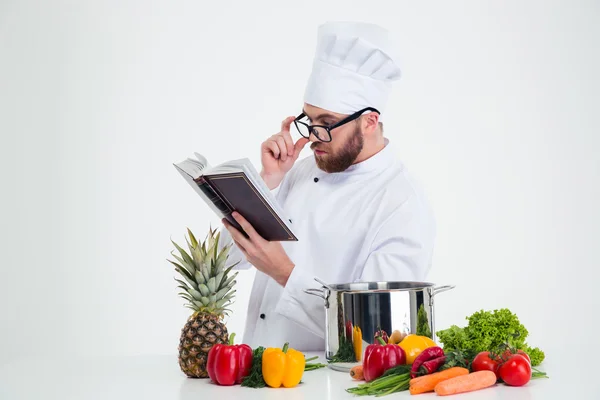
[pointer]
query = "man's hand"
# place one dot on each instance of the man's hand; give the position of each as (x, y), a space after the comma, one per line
(268, 257)
(279, 153)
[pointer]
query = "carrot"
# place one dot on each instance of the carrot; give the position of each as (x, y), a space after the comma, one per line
(466, 383)
(357, 373)
(427, 383)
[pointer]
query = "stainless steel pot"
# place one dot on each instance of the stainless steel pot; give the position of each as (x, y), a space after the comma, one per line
(356, 311)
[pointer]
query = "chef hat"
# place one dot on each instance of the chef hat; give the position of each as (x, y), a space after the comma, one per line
(352, 68)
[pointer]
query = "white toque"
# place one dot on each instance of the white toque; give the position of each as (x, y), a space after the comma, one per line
(352, 69)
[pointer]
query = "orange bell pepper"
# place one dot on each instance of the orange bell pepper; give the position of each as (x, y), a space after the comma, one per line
(282, 367)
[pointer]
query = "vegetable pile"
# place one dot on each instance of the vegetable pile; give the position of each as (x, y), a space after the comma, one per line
(487, 330)
(230, 364)
(489, 351)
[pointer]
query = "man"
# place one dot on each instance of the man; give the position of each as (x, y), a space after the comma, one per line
(357, 213)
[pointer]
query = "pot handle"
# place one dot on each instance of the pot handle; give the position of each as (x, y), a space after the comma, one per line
(441, 289)
(316, 292)
(322, 293)
(322, 283)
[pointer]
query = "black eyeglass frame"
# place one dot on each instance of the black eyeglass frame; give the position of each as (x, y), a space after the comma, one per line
(328, 129)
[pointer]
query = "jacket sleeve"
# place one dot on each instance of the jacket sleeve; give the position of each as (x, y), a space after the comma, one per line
(402, 248)
(300, 307)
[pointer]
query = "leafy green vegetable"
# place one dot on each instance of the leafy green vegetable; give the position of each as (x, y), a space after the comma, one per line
(454, 338)
(486, 331)
(398, 370)
(455, 359)
(536, 355)
(345, 352)
(423, 323)
(255, 378)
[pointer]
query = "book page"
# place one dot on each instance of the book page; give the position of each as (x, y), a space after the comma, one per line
(203, 161)
(191, 167)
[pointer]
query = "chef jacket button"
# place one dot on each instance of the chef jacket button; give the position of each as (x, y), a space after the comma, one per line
(262, 316)
(316, 180)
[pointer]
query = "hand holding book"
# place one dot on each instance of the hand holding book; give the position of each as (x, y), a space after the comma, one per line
(268, 257)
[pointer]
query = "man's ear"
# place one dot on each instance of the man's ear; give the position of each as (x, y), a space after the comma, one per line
(370, 122)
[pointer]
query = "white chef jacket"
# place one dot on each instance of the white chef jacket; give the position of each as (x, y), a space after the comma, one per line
(371, 222)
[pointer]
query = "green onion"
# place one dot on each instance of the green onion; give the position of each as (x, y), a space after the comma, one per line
(397, 380)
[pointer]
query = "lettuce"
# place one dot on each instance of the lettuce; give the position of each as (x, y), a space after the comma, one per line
(486, 331)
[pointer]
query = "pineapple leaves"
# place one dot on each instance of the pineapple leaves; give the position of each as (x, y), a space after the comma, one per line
(222, 303)
(182, 284)
(218, 280)
(230, 279)
(186, 276)
(192, 238)
(199, 278)
(223, 256)
(186, 296)
(205, 272)
(211, 284)
(196, 294)
(184, 254)
(205, 283)
(185, 271)
(185, 288)
(204, 290)
(222, 292)
(217, 246)
(198, 304)
(229, 296)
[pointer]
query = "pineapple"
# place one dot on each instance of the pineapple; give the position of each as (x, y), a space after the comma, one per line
(207, 288)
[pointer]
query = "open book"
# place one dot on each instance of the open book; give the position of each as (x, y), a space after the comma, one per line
(237, 186)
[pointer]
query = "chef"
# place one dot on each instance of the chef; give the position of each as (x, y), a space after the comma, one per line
(358, 214)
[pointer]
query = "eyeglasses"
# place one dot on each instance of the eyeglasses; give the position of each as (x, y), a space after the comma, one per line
(322, 132)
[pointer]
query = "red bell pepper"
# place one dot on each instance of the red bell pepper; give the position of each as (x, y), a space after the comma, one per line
(380, 357)
(349, 330)
(227, 364)
(428, 354)
(382, 334)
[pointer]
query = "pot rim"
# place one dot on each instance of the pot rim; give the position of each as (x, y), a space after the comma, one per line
(376, 286)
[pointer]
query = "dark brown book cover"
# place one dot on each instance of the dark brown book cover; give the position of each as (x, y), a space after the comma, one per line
(234, 192)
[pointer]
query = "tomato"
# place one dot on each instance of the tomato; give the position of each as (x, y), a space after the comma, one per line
(507, 353)
(516, 371)
(483, 362)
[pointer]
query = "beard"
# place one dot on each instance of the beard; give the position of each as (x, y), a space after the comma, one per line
(345, 157)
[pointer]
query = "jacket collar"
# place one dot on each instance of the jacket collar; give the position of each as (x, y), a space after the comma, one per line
(378, 162)
(374, 165)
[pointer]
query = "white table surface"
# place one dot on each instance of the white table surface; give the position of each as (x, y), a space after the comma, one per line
(159, 377)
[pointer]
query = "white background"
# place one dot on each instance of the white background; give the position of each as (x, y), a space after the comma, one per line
(496, 114)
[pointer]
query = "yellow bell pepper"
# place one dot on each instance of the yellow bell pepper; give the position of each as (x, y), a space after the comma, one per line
(429, 341)
(282, 367)
(357, 342)
(413, 345)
